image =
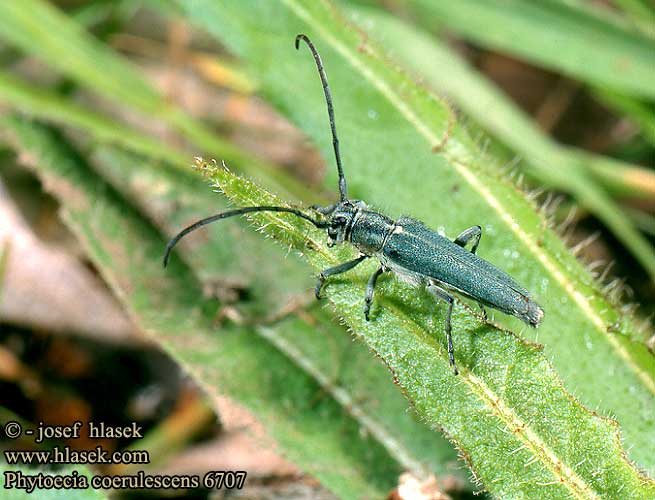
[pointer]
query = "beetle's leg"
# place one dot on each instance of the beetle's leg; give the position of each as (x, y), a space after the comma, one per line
(341, 268)
(484, 311)
(370, 288)
(472, 233)
(442, 294)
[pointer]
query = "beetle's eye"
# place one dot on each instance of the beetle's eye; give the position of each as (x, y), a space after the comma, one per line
(338, 222)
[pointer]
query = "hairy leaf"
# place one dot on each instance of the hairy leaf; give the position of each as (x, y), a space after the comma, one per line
(522, 434)
(312, 427)
(273, 279)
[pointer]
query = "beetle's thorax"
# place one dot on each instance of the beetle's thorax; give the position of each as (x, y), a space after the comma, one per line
(353, 222)
(370, 231)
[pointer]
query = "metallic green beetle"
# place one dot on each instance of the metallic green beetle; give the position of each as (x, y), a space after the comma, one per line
(406, 247)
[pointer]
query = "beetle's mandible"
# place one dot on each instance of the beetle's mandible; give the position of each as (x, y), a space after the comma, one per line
(405, 247)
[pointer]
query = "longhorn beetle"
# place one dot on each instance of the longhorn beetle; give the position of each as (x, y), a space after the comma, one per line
(404, 246)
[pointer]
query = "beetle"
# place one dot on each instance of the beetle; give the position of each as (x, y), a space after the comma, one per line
(405, 247)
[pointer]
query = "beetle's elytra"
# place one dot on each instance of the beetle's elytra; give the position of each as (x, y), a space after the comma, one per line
(405, 246)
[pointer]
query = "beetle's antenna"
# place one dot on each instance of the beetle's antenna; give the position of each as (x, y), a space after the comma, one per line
(328, 98)
(232, 213)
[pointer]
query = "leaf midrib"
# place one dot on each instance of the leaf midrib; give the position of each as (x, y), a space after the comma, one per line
(509, 418)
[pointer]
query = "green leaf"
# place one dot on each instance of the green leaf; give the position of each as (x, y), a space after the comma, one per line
(642, 114)
(522, 434)
(556, 36)
(273, 278)
(389, 128)
(637, 13)
(627, 14)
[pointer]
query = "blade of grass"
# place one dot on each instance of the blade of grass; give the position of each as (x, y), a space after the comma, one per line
(45, 104)
(583, 11)
(645, 221)
(312, 429)
(388, 127)
(556, 36)
(641, 14)
(641, 113)
(624, 180)
(40, 29)
(494, 111)
(629, 18)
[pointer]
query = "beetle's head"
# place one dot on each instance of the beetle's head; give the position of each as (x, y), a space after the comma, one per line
(341, 219)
